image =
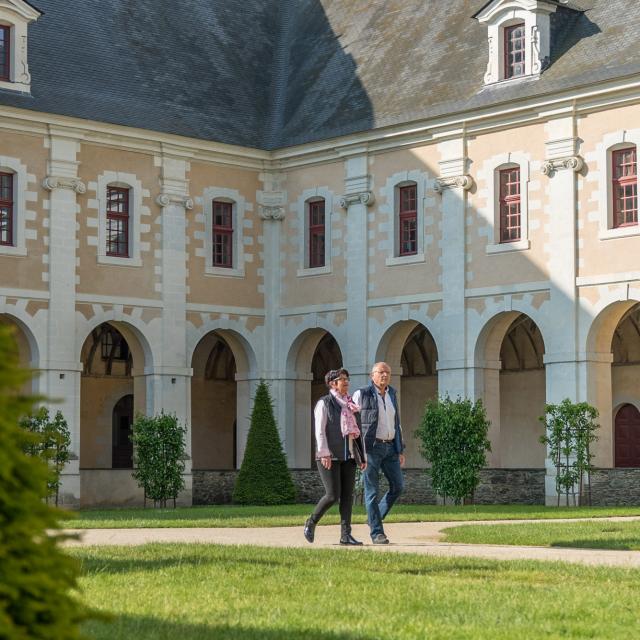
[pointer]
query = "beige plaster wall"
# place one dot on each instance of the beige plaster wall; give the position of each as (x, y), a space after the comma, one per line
(108, 279)
(213, 412)
(98, 396)
(514, 267)
(216, 289)
(522, 400)
(317, 289)
(414, 394)
(419, 277)
(27, 272)
(598, 256)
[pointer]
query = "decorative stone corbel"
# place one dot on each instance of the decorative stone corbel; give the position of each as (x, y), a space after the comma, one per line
(549, 167)
(464, 182)
(270, 212)
(165, 199)
(365, 197)
(55, 182)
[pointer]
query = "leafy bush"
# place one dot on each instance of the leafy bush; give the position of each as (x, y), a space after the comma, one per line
(51, 444)
(264, 477)
(158, 456)
(453, 435)
(37, 580)
(570, 430)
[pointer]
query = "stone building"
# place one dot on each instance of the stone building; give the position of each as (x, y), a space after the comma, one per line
(195, 195)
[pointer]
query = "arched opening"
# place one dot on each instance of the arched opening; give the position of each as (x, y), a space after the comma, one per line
(510, 361)
(410, 350)
(627, 437)
(121, 445)
(25, 343)
(214, 439)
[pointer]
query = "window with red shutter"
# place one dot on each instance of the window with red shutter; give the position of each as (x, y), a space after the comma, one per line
(625, 187)
(5, 53)
(514, 48)
(6, 209)
(407, 220)
(118, 222)
(317, 234)
(222, 240)
(510, 220)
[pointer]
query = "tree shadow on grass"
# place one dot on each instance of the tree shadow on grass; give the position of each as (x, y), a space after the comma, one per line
(615, 544)
(148, 628)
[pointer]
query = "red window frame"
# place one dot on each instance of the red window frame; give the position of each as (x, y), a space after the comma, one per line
(118, 222)
(222, 234)
(317, 233)
(6, 209)
(514, 51)
(408, 220)
(510, 212)
(625, 187)
(5, 53)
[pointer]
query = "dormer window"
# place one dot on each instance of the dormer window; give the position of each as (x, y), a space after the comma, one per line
(15, 16)
(519, 37)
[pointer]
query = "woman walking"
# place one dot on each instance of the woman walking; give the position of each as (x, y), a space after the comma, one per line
(339, 448)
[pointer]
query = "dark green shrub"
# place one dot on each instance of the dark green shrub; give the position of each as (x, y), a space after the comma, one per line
(51, 445)
(158, 456)
(37, 579)
(453, 438)
(264, 477)
(570, 429)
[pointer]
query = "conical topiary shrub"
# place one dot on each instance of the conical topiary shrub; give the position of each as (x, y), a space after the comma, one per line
(37, 580)
(264, 477)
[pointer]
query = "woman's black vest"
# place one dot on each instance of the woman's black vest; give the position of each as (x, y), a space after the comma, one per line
(337, 443)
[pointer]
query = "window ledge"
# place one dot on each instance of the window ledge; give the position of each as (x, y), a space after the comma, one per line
(621, 232)
(511, 81)
(399, 260)
(313, 271)
(20, 87)
(121, 262)
(10, 250)
(506, 247)
(224, 271)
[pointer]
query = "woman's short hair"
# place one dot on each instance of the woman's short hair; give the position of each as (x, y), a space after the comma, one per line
(334, 374)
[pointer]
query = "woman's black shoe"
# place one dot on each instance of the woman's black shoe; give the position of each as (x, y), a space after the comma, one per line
(309, 530)
(350, 540)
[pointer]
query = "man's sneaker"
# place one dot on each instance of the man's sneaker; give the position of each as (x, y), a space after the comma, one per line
(380, 538)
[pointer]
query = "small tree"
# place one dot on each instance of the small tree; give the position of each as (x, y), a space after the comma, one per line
(453, 438)
(37, 580)
(158, 456)
(264, 477)
(569, 431)
(52, 444)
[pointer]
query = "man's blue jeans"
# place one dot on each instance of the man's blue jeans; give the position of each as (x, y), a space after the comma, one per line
(382, 458)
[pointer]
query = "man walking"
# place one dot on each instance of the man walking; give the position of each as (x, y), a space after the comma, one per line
(384, 446)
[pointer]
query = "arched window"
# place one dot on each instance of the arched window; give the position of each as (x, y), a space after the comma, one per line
(514, 51)
(7, 209)
(510, 213)
(624, 187)
(317, 233)
(408, 220)
(117, 235)
(222, 234)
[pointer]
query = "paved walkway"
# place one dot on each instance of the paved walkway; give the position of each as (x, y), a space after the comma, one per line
(423, 537)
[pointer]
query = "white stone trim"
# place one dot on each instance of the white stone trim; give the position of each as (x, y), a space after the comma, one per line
(238, 212)
(301, 209)
(390, 204)
(610, 143)
(19, 171)
(130, 181)
(491, 169)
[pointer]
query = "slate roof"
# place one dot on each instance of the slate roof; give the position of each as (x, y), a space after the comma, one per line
(274, 73)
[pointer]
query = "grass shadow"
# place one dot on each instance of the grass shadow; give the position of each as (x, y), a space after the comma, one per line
(620, 544)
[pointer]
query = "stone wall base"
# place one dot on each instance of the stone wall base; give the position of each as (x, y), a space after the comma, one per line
(615, 487)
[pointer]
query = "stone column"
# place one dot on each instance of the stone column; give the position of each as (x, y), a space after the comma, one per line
(61, 370)
(169, 379)
(356, 199)
(561, 345)
(453, 184)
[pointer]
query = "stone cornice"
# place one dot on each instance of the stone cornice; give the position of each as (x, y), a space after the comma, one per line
(549, 167)
(165, 199)
(56, 182)
(365, 197)
(464, 182)
(268, 212)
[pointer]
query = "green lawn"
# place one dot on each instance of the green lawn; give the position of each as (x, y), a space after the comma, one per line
(197, 592)
(588, 535)
(291, 515)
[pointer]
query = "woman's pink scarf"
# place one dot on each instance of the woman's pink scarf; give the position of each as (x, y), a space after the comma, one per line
(348, 424)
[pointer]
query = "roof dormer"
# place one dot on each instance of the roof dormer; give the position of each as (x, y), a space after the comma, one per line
(15, 16)
(519, 36)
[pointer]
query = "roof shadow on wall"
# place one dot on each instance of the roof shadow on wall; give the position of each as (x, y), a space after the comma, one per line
(317, 91)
